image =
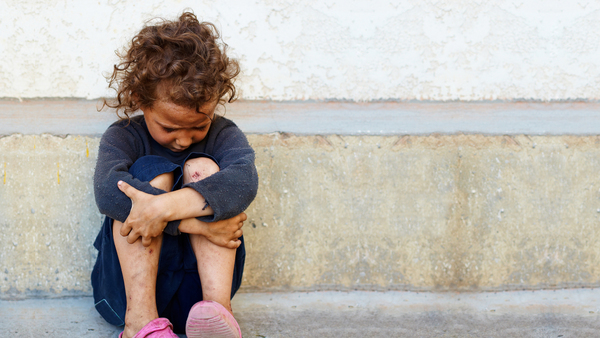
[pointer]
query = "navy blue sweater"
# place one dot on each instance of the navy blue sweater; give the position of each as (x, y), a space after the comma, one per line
(229, 192)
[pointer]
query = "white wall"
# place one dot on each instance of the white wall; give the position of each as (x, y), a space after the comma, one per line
(324, 49)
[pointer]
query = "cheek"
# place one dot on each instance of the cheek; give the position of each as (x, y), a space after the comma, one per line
(199, 136)
(161, 137)
(164, 140)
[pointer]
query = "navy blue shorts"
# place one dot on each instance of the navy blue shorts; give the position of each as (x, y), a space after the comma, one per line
(178, 285)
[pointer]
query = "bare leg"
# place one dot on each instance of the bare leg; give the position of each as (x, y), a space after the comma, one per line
(215, 263)
(139, 265)
(215, 266)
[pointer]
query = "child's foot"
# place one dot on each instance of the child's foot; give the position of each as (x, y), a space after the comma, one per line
(208, 319)
(158, 328)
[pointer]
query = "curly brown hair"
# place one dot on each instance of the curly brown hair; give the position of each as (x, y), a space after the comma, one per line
(180, 61)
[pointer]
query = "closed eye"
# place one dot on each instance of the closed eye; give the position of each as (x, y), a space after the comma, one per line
(168, 130)
(200, 128)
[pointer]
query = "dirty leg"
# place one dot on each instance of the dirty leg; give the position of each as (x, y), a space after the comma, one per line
(139, 265)
(215, 263)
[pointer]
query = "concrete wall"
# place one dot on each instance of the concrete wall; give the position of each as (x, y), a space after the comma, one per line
(332, 49)
(462, 212)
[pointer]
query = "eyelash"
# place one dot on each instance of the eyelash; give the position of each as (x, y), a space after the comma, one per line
(169, 130)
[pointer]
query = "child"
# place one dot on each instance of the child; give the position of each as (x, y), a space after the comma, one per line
(173, 184)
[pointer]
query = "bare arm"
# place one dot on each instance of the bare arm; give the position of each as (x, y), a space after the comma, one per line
(225, 233)
(150, 214)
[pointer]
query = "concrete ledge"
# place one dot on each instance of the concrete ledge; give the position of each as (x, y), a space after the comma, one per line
(568, 313)
(80, 117)
(462, 212)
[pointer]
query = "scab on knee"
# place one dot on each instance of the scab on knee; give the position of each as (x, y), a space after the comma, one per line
(198, 169)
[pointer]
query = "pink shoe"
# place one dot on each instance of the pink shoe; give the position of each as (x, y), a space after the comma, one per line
(208, 319)
(158, 328)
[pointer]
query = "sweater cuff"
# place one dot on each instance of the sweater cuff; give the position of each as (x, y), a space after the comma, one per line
(172, 228)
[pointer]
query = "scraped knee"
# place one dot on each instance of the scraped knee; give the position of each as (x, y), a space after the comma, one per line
(198, 169)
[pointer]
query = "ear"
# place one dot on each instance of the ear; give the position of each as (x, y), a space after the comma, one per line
(136, 98)
(136, 101)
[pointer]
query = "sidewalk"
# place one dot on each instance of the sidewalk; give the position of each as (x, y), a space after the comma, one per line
(560, 313)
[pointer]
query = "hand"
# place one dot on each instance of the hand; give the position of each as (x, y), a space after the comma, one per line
(225, 233)
(147, 218)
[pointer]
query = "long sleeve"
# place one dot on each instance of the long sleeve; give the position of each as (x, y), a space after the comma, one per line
(234, 187)
(229, 192)
(120, 146)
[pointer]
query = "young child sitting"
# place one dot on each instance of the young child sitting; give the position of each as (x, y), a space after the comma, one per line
(173, 184)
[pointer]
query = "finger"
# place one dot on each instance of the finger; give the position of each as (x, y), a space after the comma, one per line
(125, 230)
(146, 241)
(132, 237)
(127, 189)
(234, 244)
(238, 234)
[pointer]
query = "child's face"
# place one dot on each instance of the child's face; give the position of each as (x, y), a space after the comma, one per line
(176, 127)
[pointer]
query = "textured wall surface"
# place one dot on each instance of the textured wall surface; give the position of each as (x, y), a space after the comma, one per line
(447, 212)
(353, 212)
(47, 213)
(295, 50)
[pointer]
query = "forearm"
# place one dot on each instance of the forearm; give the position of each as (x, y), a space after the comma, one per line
(225, 233)
(116, 205)
(193, 226)
(229, 191)
(185, 203)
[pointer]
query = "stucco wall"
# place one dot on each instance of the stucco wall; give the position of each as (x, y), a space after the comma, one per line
(296, 50)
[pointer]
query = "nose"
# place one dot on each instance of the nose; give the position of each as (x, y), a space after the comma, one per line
(184, 142)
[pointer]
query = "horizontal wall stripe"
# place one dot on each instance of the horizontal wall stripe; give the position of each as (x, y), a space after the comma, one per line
(81, 117)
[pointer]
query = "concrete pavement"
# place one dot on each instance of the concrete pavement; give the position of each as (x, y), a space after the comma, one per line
(559, 313)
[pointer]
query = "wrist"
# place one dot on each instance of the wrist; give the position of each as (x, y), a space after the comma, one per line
(166, 202)
(193, 226)
(187, 203)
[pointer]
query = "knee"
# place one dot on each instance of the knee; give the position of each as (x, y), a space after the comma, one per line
(198, 169)
(163, 181)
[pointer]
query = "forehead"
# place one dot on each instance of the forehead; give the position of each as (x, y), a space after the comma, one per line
(167, 112)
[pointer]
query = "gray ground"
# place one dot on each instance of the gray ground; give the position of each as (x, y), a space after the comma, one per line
(561, 313)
